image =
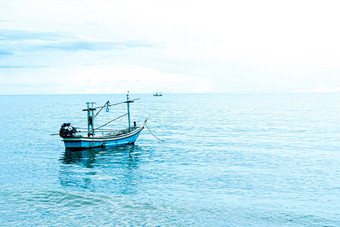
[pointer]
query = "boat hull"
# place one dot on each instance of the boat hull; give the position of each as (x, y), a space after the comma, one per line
(107, 141)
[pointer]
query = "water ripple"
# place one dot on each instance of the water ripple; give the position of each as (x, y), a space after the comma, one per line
(227, 160)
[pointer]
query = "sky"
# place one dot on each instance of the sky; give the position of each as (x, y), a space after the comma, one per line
(186, 46)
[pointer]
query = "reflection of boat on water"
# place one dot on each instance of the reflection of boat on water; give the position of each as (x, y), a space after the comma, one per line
(93, 168)
(87, 157)
(73, 140)
(158, 94)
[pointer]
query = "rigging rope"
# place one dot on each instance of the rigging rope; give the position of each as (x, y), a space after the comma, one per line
(106, 104)
(153, 134)
(110, 121)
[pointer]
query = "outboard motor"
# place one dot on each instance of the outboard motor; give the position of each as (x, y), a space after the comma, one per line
(66, 130)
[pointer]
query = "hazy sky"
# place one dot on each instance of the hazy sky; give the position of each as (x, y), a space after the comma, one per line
(144, 46)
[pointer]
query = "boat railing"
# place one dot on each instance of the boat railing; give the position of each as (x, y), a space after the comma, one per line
(113, 132)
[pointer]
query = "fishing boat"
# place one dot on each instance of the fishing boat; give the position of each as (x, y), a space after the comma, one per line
(158, 94)
(74, 140)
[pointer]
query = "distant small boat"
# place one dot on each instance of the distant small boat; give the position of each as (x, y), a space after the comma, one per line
(158, 94)
(111, 137)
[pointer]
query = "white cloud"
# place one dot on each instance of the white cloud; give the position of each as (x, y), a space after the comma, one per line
(272, 42)
(322, 89)
(105, 79)
(137, 79)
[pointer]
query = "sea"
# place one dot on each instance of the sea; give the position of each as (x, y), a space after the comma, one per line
(226, 160)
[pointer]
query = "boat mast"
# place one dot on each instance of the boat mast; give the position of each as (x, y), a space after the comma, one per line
(128, 108)
(90, 118)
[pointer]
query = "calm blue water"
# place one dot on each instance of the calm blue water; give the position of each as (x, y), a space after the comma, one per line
(227, 160)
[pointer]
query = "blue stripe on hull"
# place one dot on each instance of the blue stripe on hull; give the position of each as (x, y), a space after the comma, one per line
(91, 144)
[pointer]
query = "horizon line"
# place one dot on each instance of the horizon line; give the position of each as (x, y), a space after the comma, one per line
(181, 93)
